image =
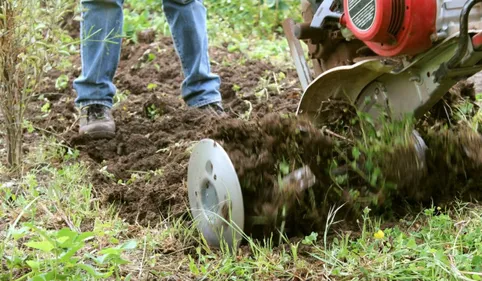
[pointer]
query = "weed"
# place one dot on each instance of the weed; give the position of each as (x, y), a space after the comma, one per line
(58, 255)
(121, 96)
(62, 82)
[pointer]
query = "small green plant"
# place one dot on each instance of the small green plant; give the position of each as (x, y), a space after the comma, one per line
(153, 111)
(46, 107)
(121, 96)
(62, 254)
(62, 82)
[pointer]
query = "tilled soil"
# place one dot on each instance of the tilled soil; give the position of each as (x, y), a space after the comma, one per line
(143, 170)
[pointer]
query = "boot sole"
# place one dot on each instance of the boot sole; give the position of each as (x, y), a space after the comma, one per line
(99, 135)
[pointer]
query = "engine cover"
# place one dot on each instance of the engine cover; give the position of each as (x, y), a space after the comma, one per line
(392, 27)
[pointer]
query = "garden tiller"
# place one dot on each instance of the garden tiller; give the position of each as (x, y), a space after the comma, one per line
(394, 56)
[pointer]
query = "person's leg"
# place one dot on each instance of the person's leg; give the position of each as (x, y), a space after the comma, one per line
(101, 30)
(187, 21)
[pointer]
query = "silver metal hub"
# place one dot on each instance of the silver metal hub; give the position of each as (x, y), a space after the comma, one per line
(215, 195)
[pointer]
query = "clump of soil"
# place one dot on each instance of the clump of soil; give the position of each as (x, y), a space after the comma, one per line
(258, 150)
(455, 165)
(453, 156)
(402, 167)
(70, 24)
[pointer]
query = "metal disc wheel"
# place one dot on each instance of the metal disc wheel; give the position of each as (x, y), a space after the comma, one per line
(215, 195)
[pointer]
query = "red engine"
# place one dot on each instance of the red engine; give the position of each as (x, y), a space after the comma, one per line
(392, 27)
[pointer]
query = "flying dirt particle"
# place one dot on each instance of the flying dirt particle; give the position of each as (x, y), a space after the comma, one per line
(146, 36)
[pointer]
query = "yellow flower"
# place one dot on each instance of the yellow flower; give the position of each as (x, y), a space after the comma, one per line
(379, 234)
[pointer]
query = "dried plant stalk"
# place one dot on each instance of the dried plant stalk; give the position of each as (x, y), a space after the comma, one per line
(10, 92)
(29, 45)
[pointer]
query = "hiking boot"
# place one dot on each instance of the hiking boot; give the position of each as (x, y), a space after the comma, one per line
(215, 109)
(96, 121)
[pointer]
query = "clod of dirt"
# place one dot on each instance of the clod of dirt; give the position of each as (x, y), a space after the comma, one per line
(260, 151)
(70, 24)
(403, 165)
(146, 36)
(455, 165)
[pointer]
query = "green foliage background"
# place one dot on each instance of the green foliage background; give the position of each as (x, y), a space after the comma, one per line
(252, 26)
(247, 18)
(253, 17)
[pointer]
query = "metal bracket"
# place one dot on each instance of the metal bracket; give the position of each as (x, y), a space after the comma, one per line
(463, 45)
(323, 13)
(297, 54)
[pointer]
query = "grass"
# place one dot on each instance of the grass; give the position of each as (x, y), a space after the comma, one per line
(52, 226)
(44, 222)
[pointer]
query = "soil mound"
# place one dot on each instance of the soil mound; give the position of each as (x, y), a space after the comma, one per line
(142, 171)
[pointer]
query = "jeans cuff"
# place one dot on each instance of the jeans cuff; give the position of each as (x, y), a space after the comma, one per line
(205, 102)
(100, 102)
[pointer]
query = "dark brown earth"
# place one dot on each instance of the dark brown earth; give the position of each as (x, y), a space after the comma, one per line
(143, 170)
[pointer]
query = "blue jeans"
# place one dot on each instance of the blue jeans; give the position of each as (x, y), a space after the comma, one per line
(101, 31)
